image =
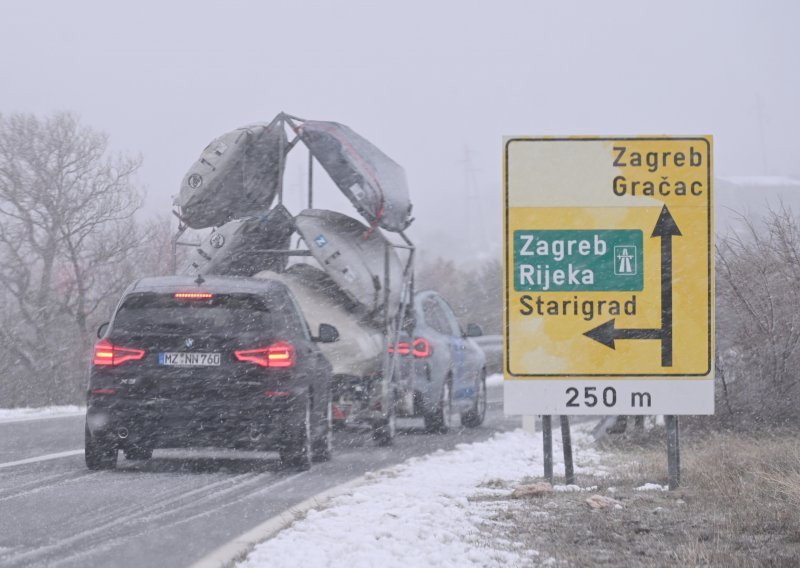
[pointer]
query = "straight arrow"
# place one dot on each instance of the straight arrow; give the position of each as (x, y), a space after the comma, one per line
(666, 228)
(607, 333)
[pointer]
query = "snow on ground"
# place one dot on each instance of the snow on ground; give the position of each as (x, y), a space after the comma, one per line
(25, 414)
(494, 380)
(424, 512)
(652, 487)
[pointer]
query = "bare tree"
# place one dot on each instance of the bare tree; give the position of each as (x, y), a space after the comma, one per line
(151, 257)
(475, 293)
(66, 220)
(758, 316)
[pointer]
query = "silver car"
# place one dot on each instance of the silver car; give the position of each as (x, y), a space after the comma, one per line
(443, 365)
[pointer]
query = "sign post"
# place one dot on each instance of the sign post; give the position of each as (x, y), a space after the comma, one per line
(673, 451)
(547, 447)
(566, 443)
(609, 291)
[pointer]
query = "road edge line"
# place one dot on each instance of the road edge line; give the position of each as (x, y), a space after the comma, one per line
(37, 459)
(230, 551)
(17, 420)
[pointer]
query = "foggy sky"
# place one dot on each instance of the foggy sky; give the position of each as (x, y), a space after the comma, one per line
(434, 84)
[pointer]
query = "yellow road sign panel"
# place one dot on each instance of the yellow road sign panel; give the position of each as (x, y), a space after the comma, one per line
(608, 258)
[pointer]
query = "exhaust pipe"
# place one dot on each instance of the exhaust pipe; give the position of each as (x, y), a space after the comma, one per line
(122, 433)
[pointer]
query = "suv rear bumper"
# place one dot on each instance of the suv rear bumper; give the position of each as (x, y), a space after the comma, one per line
(258, 424)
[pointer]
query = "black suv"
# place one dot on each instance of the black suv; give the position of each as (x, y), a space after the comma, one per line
(223, 362)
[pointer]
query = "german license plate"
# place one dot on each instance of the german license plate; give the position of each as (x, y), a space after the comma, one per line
(189, 359)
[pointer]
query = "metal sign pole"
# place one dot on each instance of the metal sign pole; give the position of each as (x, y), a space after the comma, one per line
(566, 440)
(673, 452)
(176, 241)
(310, 180)
(387, 398)
(547, 437)
(174, 262)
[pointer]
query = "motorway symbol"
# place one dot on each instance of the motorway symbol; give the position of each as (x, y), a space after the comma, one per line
(625, 261)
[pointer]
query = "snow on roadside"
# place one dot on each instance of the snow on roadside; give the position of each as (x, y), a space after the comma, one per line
(652, 487)
(420, 513)
(494, 380)
(25, 414)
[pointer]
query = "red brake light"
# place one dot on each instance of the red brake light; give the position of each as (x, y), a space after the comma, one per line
(403, 348)
(422, 348)
(106, 353)
(277, 394)
(279, 355)
(193, 296)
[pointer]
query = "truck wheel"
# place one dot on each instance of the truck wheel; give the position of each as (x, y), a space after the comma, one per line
(473, 417)
(98, 454)
(440, 420)
(383, 431)
(295, 448)
(323, 445)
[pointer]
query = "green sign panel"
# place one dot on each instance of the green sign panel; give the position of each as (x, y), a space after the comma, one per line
(573, 261)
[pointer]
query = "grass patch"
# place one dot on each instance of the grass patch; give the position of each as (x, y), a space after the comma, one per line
(737, 506)
(753, 481)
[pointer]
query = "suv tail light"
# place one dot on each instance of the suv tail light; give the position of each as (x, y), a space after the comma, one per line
(106, 353)
(422, 348)
(279, 355)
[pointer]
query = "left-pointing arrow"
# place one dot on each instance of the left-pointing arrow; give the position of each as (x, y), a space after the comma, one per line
(606, 334)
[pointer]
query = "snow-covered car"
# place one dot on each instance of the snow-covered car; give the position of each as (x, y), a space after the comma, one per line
(222, 362)
(443, 365)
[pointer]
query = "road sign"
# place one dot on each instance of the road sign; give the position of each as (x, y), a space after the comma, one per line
(609, 292)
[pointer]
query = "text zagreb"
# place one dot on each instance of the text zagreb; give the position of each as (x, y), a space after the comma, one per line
(557, 250)
(652, 162)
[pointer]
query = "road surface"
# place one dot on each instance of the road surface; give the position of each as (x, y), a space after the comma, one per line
(177, 507)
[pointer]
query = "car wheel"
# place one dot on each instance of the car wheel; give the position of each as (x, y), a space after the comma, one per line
(384, 430)
(138, 454)
(98, 454)
(323, 445)
(473, 417)
(295, 449)
(440, 420)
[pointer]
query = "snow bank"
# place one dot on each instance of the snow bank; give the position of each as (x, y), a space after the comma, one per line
(419, 513)
(494, 380)
(25, 414)
(652, 487)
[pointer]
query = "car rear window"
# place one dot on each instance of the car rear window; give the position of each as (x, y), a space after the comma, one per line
(223, 313)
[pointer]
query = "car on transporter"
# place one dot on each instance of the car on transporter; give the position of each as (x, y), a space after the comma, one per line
(215, 362)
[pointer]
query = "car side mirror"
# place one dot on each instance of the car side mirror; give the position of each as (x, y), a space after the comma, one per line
(327, 334)
(101, 331)
(474, 330)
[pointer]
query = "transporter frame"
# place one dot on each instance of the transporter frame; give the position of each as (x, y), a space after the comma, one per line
(376, 399)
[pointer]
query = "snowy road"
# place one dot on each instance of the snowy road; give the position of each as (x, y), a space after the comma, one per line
(174, 509)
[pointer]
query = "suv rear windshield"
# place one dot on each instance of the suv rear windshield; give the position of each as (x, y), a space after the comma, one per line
(223, 313)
